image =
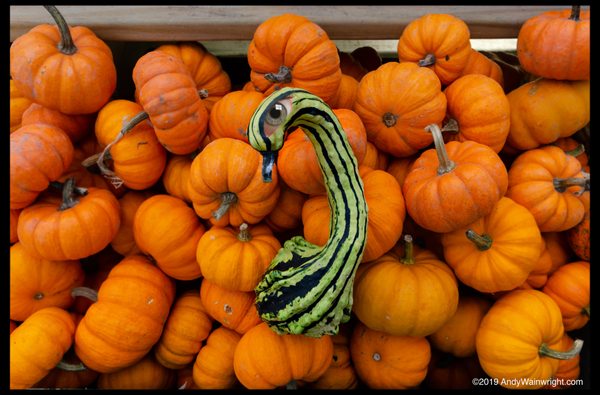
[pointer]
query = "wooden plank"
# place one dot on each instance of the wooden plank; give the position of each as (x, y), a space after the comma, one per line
(206, 23)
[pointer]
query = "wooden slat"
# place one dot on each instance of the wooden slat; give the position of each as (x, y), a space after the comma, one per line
(206, 23)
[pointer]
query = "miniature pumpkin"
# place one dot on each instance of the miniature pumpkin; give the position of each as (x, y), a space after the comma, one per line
(345, 96)
(291, 50)
(230, 115)
(176, 176)
(539, 274)
(82, 224)
(169, 96)
(236, 259)
(68, 69)
(38, 344)
(128, 318)
(386, 361)
(226, 184)
(36, 283)
(454, 184)
(39, 154)
(14, 220)
(405, 293)
(375, 158)
(527, 351)
(18, 105)
(569, 287)
(400, 167)
(76, 126)
(291, 357)
(213, 367)
(287, 213)
(124, 241)
(549, 183)
(341, 374)
(69, 373)
(556, 44)
(396, 102)
(187, 326)
(568, 369)
(439, 41)
(478, 63)
(497, 252)
(578, 238)
(574, 148)
(146, 374)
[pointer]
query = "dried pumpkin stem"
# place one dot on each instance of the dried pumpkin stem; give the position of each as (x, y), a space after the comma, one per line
(580, 149)
(428, 60)
(71, 367)
(389, 119)
(227, 199)
(546, 351)
(244, 234)
(482, 242)
(66, 44)
(203, 93)
(408, 258)
(446, 165)
(586, 310)
(283, 76)
(575, 12)
(85, 292)
(68, 194)
(561, 184)
(451, 126)
(77, 190)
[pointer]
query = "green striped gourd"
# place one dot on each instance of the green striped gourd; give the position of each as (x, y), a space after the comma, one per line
(307, 289)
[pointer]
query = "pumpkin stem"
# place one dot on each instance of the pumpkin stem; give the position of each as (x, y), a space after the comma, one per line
(292, 385)
(77, 190)
(575, 12)
(482, 242)
(66, 44)
(389, 119)
(451, 126)
(586, 310)
(561, 184)
(71, 367)
(446, 165)
(115, 180)
(408, 258)
(580, 149)
(203, 93)
(39, 296)
(227, 199)
(428, 60)
(284, 75)
(85, 292)
(546, 351)
(244, 234)
(68, 192)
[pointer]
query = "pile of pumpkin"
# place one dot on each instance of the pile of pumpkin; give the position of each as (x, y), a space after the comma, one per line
(140, 226)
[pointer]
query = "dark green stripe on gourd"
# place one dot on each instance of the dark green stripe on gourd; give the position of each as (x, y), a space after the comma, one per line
(307, 289)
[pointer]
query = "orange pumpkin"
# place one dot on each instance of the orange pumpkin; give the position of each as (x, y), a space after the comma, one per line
(396, 102)
(573, 147)
(75, 126)
(569, 287)
(385, 361)
(400, 167)
(478, 110)
(36, 283)
(345, 96)
(558, 248)
(375, 158)
(169, 96)
(38, 344)
(287, 213)
(168, 230)
(124, 241)
(233, 309)
(519, 338)
(226, 184)
(568, 369)
(539, 274)
(578, 238)
(385, 216)
(457, 335)
(497, 252)
(439, 41)
(14, 220)
(205, 68)
(68, 69)
(236, 259)
(548, 183)
(405, 293)
(291, 50)
(187, 326)
(176, 176)
(39, 154)
(478, 63)
(454, 184)
(230, 115)
(127, 319)
(82, 224)
(341, 374)
(146, 374)
(18, 105)
(290, 357)
(556, 44)
(213, 367)
(69, 373)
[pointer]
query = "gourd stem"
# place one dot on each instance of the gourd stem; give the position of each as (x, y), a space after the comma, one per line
(106, 172)
(284, 75)
(244, 234)
(446, 165)
(428, 60)
(482, 242)
(71, 367)
(561, 184)
(408, 258)
(68, 192)
(586, 310)
(66, 44)
(227, 199)
(546, 351)
(451, 126)
(85, 292)
(575, 12)
(389, 119)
